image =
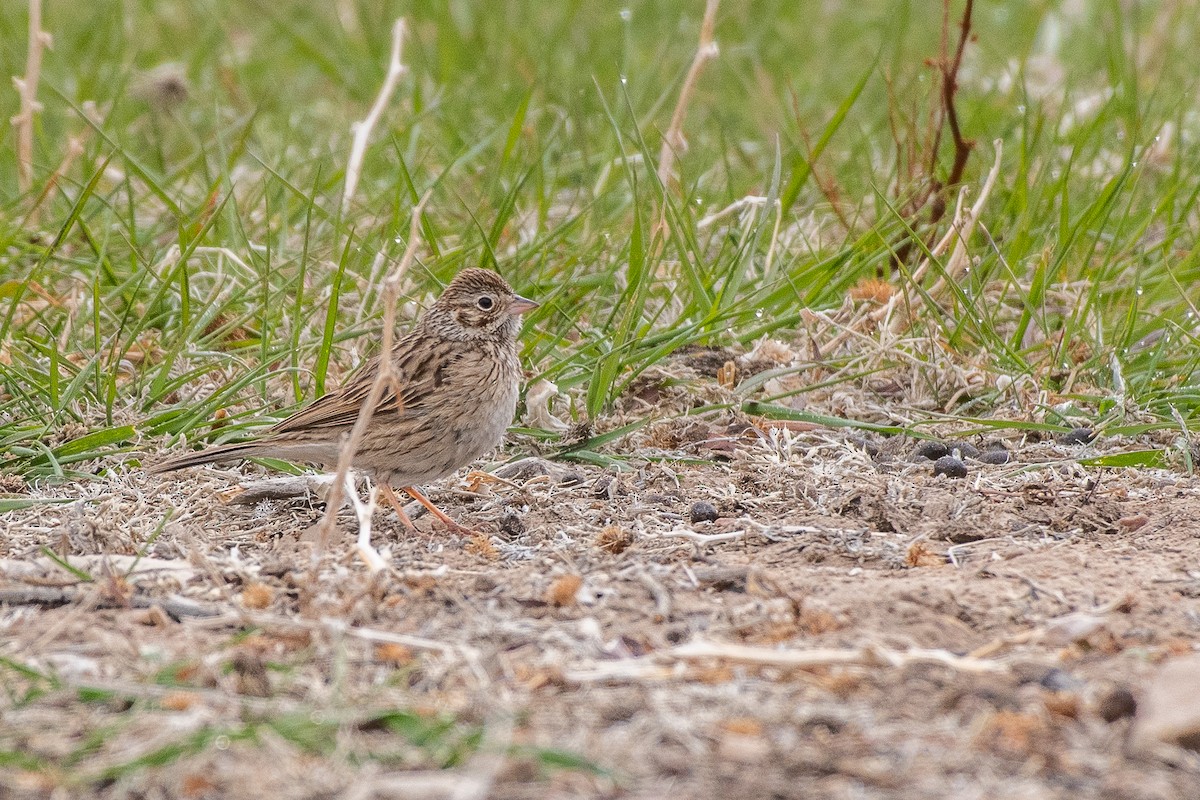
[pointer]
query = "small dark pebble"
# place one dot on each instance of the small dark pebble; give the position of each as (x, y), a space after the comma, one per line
(994, 444)
(865, 444)
(950, 466)
(995, 456)
(965, 450)
(931, 449)
(1057, 680)
(702, 511)
(1116, 703)
(1078, 436)
(511, 526)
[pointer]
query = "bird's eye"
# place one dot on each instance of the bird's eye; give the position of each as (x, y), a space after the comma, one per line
(485, 303)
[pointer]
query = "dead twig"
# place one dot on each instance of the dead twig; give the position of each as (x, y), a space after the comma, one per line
(362, 129)
(668, 664)
(391, 297)
(948, 111)
(177, 607)
(705, 538)
(662, 598)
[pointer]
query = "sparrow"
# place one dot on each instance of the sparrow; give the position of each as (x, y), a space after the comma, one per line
(456, 377)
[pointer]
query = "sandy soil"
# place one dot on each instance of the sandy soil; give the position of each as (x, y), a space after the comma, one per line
(849, 626)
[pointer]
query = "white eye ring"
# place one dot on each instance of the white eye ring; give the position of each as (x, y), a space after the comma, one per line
(485, 303)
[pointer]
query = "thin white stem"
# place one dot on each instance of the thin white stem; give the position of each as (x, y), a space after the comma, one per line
(362, 129)
(365, 512)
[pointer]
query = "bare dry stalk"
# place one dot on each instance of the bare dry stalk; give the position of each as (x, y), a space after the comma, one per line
(867, 655)
(667, 664)
(959, 233)
(391, 297)
(705, 538)
(673, 141)
(362, 129)
(27, 89)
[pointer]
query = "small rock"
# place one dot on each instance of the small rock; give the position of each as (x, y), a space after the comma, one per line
(864, 444)
(1078, 436)
(1057, 680)
(930, 449)
(605, 487)
(1116, 702)
(950, 466)
(995, 456)
(664, 500)
(511, 526)
(965, 450)
(702, 511)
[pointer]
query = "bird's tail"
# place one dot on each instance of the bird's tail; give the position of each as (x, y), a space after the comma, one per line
(224, 452)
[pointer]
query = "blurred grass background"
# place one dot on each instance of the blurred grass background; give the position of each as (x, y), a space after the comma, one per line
(534, 127)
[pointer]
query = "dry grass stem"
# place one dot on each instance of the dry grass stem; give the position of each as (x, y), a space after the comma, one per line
(673, 141)
(868, 655)
(391, 297)
(362, 129)
(27, 90)
(960, 232)
(653, 668)
(705, 538)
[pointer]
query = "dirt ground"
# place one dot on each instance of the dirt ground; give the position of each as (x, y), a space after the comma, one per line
(848, 626)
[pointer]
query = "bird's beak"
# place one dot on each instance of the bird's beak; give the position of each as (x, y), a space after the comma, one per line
(520, 305)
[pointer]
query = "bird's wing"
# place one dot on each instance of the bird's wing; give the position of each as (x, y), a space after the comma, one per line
(419, 366)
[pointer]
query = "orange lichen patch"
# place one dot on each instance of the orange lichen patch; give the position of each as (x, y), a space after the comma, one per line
(179, 701)
(875, 290)
(743, 726)
(257, 596)
(393, 653)
(481, 545)
(562, 590)
(919, 555)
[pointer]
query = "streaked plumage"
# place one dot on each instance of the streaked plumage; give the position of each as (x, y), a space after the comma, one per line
(457, 375)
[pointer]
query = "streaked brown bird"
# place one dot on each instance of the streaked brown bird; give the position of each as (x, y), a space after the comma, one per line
(457, 376)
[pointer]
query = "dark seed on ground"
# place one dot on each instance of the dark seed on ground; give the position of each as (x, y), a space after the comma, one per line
(1116, 703)
(702, 511)
(930, 449)
(1078, 436)
(950, 466)
(995, 456)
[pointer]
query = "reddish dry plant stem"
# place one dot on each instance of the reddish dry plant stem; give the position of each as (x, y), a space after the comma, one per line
(949, 111)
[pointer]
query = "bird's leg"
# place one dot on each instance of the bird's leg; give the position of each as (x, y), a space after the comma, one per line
(393, 501)
(364, 512)
(441, 515)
